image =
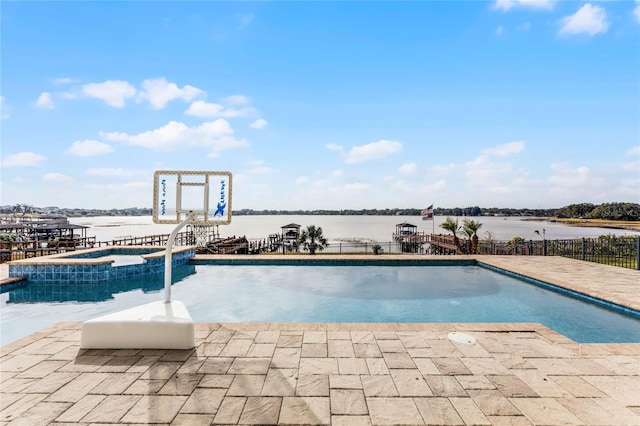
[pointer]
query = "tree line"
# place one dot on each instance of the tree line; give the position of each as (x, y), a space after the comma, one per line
(606, 211)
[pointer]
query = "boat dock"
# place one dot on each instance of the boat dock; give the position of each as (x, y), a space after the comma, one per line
(410, 239)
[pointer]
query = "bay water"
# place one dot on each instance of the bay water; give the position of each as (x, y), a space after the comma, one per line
(338, 228)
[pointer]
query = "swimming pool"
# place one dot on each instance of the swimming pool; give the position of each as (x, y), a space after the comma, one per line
(465, 292)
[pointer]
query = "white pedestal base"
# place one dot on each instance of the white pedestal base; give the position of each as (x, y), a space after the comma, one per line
(156, 325)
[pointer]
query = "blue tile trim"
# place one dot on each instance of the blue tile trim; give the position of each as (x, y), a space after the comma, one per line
(100, 273)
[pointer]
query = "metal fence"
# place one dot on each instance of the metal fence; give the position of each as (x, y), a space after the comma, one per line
(623, 251)
(364, 247)
(612, 250)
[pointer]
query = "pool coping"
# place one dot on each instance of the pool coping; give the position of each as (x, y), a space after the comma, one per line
(66, 258)
(310, 373)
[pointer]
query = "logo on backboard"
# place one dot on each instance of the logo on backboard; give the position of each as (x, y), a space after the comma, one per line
(222, 203)
(163, 202)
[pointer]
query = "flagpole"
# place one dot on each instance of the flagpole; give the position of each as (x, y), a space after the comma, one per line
(433, 222)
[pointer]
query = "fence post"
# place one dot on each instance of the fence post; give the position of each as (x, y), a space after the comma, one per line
(544, 247)
(583, 254)
(638, 254)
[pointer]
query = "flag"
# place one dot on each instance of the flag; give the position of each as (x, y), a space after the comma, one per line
(427, 214)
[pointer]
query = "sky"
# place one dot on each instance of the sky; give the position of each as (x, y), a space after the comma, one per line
(322, 105)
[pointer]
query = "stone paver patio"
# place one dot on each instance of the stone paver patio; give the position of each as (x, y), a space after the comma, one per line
(340, 374)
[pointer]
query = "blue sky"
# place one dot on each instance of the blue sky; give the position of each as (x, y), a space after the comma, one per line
(323, 105)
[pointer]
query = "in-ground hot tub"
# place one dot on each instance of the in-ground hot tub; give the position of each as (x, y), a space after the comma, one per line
(98, 265)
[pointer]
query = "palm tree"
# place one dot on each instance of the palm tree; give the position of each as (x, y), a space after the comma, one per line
(452, 227)
(312, 239)
(471, 228)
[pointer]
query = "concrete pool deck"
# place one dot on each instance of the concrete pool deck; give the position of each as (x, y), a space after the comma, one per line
(341, 374)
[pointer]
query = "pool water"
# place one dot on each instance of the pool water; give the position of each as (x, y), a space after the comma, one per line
(239, 293)
(125, 259)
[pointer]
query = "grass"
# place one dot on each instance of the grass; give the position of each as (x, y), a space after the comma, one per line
(631, 225)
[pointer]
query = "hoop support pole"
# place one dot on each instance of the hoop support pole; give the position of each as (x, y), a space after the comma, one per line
(167, 256)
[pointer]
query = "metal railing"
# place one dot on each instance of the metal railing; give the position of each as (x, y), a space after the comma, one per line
(14, 250)
(623, 251)
(609, 250)
(182, 239)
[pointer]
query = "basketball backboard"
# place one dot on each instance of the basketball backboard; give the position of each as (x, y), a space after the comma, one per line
(206, 194)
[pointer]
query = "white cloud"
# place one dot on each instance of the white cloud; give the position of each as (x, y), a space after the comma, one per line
(204, 109)
(216, 135)
(62, 80)
(355, 187)
(408, 169)
(634, 150)
(66, 95)
(372, 151)
(627, 189)
(579, 184)
(113, 92)
(89, 148)
(633, 166)
(636, 11)
(493, 176)
(588, 20)
(333, 147)
(441, 169)
(19, 180)
(45, 101)
(482, 172)
(207, 109)
(119, 187)
(159, 92)
(237, 100)
(434, 187)
(531, 4)
(260, 170)
(302, 180)
(259, 123)
(397, 184)
(3, 107)
(57, 178)
(505, 149)
(112, 172)
(566, 177)
(257, 167)
(336, 173)
(23, 159)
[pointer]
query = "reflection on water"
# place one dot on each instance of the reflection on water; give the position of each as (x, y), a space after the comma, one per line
(93, 292)
(390, 283)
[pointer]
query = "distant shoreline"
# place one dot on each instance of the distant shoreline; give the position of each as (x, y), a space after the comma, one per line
(591, 223)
